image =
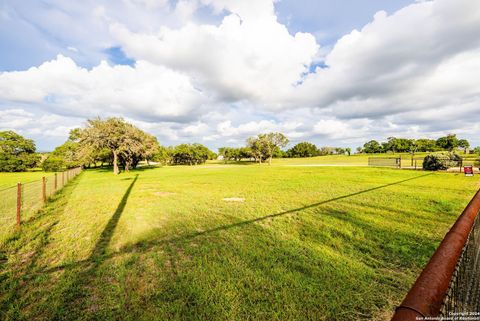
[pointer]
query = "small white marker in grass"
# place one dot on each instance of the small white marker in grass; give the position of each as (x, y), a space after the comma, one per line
(234, 199)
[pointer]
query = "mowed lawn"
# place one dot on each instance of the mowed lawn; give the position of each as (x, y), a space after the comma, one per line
(307, 243)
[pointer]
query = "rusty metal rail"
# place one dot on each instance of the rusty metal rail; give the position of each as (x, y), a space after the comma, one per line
(429, 293)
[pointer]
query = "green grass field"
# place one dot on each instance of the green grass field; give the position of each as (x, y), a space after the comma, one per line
(307, 243)
(11, 179)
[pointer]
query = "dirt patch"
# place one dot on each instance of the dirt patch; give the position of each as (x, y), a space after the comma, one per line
(163, 194)
(234, 199)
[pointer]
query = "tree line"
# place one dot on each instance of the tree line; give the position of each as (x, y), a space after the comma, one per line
(113, 142)
(121, 145)
(256, 149)
(406, 145)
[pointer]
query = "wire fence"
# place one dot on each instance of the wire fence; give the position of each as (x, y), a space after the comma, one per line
(464, 290)
(385, 161)
(21, 202)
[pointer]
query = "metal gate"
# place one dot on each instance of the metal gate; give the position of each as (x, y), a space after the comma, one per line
(385, 162)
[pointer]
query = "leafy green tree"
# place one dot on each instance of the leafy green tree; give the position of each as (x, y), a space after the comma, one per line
(190, 154)
(303, 149)
(163, 155)
(348, 150)
(463, 143)
(372, 147)
(398, 145)
(449, 142)
(126, 143)
(258, 148)
(17, 153)
(325, 150)
(273, 142)
(53, 164)
(265, 146)
(427, 145)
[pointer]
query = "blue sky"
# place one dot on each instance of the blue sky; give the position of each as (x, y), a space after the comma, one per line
(218, 71)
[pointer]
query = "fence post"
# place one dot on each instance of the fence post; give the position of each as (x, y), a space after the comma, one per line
(44, 189)
(19, 202)
(55, 184)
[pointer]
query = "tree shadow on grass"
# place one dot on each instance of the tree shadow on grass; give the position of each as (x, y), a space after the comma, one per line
(109, 169)
(78, 279)
(75, 290)
(145, 246)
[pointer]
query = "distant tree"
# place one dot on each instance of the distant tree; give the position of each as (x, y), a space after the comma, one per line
(476, 150)
(266, 146)
(163, 155)
(348, 150)
(273, 142)
(53, 164)
(236, 154)
(257, 148)
(397, 145)
(339, 150)
(463, 143)
(126, 143)
(325, 150)
(449, 142)
(359, 150)
(17, 153)
(427, 145)
(303, 149)
(190, 154)
(66, 155)
(372, 147)
(413, 147)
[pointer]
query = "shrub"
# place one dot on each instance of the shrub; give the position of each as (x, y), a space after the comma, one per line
(53, 164)
(440, 161)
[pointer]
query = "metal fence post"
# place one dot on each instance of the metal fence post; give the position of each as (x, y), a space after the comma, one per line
(19, 202)
(55, 184)
(44, 189)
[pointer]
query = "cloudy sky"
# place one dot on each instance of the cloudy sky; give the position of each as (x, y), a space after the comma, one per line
(334, 72)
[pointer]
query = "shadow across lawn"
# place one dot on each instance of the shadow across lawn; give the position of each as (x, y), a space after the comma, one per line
(96, 258)
(145, 246)
(77, 284)
(109, 169)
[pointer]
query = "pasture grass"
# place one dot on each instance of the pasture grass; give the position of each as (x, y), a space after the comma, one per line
(307, 243)
(11, 179)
